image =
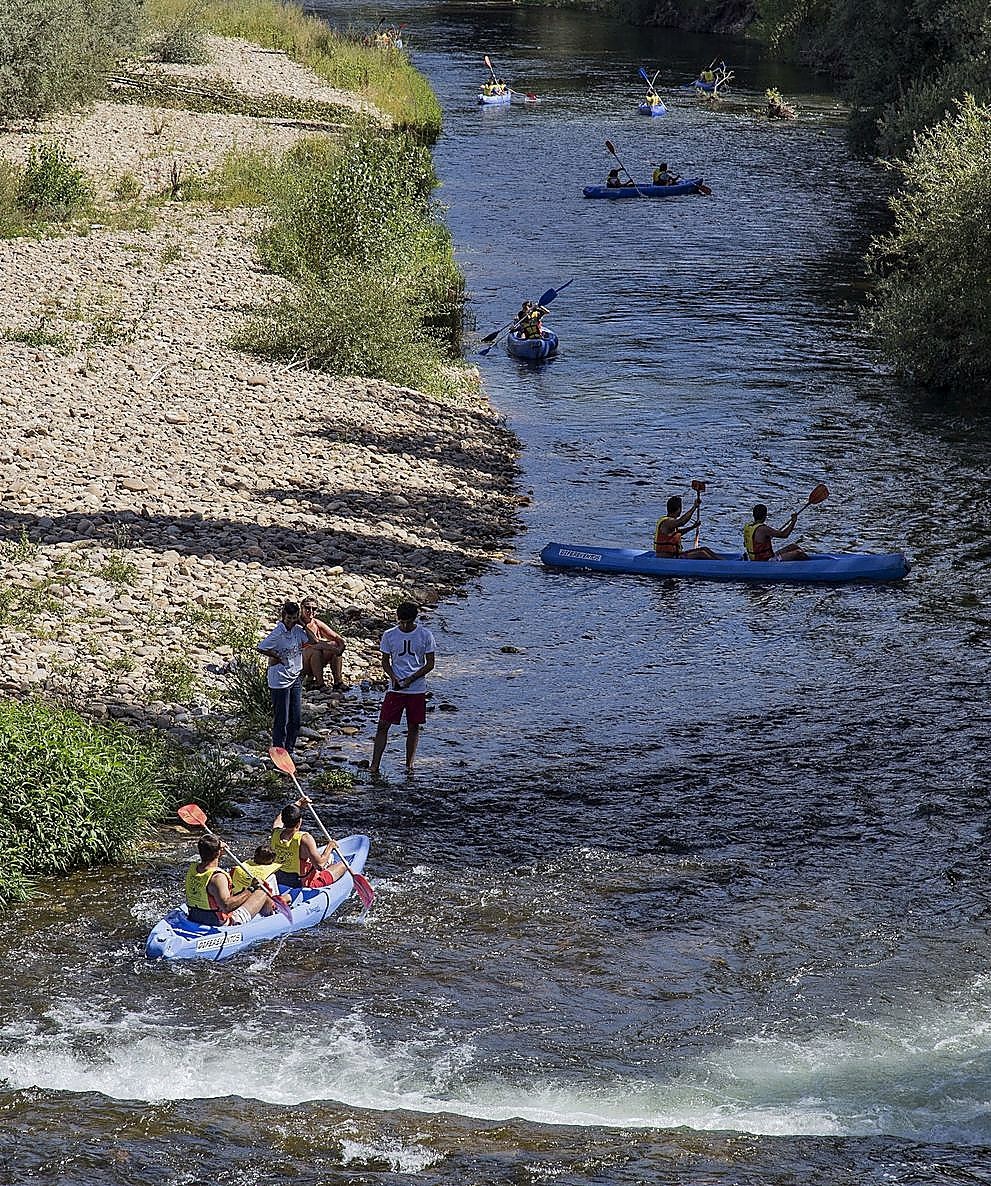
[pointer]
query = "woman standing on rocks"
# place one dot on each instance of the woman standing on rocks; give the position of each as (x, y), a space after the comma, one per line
(283, 647)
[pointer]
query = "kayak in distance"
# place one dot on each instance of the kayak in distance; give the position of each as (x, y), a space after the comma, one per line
(532, 349)
(652, 109)
(176, 938)
(500, 100)
(822, 569)
(691, 185)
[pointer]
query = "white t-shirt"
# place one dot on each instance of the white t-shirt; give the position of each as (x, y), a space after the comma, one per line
(288, 645)
(407, 651)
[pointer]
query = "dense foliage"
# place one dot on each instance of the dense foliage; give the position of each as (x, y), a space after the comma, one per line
(931, 307)
(376, 290)
(903, 62)
(58, 54)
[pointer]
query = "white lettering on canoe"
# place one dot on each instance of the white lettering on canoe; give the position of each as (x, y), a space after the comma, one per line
(573, 555)
(212, 941)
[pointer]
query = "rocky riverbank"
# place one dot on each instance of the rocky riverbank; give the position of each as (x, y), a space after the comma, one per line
(163, 492)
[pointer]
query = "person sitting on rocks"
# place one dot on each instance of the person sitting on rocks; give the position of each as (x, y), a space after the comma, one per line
(302, 863)
(211, 899)
(664, 176)
(325, 647)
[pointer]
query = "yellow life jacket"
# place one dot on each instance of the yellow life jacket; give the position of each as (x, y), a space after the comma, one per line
(708, 75)
(240, 880)
(199, 898)
(766, 550)
(287, 852)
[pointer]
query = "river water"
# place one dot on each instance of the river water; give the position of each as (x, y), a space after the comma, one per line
(691, 888)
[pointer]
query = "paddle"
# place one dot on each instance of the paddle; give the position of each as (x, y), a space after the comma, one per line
(544, 299)
(699, 488)
(362, 886)
(612, 149)
(193, 815)
(820, 494)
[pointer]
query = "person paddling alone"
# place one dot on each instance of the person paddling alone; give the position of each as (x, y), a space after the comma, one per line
(757, 537)
(303, 864)
(211, 899)
(667, 534)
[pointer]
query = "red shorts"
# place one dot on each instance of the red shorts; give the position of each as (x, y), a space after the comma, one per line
(415, 704)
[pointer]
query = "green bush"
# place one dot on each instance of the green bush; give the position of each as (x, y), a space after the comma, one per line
(71, 793)
(58, 54)
(377, 291)
(247, 687)
(930, 309)
(206, 778)
(53, 185)
(183, 41)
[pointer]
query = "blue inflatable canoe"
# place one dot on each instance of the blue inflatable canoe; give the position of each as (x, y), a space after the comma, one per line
(176, 938)
(502, 100)
(689, 186)
(824, 568)
(532, 349)
(652, 109)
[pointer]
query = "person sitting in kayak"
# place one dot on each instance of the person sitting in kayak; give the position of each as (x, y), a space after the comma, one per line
(211, 899)
(757, 537)
(664, 176)
(667, 534)
(528, 323)
(613, 181)
(493, 86)
(260, 869)
(303, 863)
(652, 99)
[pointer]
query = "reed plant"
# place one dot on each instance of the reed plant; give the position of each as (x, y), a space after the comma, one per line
(382, 75)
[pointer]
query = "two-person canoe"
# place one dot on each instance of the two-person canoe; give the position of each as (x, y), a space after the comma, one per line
(176, 938)
(652, 109)
(691, 185)
(822, 568)
(532, 349)
(502, 100)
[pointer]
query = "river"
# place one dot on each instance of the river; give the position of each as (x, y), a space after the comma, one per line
(692, 886)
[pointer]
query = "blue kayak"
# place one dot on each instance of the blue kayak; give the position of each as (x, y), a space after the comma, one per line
(823, 568)
(532, 349)
(652, 109)
(689, 186)
(176, 938)
(502, 100)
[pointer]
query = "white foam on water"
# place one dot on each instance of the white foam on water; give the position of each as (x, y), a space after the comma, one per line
(399, 1157)
(919, 1077)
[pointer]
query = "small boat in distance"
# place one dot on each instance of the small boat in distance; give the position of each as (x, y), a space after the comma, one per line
(532, 349)
(691, 185)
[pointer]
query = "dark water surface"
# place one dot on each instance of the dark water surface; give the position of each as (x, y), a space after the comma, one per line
(692, 888)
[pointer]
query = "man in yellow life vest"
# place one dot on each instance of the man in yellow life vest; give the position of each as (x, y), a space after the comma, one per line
(757, 538)
(528, 323)
(261, 869)
(667, 534)
(303, 864)
(211, 899)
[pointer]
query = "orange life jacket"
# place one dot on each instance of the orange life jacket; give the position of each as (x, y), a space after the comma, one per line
(667, 543)
(757, 551)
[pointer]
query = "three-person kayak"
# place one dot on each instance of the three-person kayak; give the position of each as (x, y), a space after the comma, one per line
(532, 349)
(500, 100)
(823, 568)
(691, 185)
(176, 938)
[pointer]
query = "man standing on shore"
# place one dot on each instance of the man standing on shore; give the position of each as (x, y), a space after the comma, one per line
(407, 657)
(283, 647)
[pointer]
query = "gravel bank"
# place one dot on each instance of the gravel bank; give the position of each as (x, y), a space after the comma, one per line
(160, 487)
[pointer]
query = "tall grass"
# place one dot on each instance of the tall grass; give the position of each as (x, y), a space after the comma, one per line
(382, 75)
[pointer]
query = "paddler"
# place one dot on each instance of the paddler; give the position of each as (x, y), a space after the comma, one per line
(664, 176)
(302, 862)
(262, 869)
(667, 534)
(613, 181)
(757, 537)
(528, 323)
(211, 899)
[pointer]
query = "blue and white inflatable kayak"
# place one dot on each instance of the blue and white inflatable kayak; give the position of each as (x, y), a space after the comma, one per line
(176, 938)
(532, 349)
(689, 186)
(824, 568)
(652, 109)
(502, 100)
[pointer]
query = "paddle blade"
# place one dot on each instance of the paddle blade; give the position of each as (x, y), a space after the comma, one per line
(282, 759)
(488, 63)
(282, 908)
(611, 147)
(189, 813)
(485, 350)
(644, 76)
(698, 485)
(363, 888)
(820, 494)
